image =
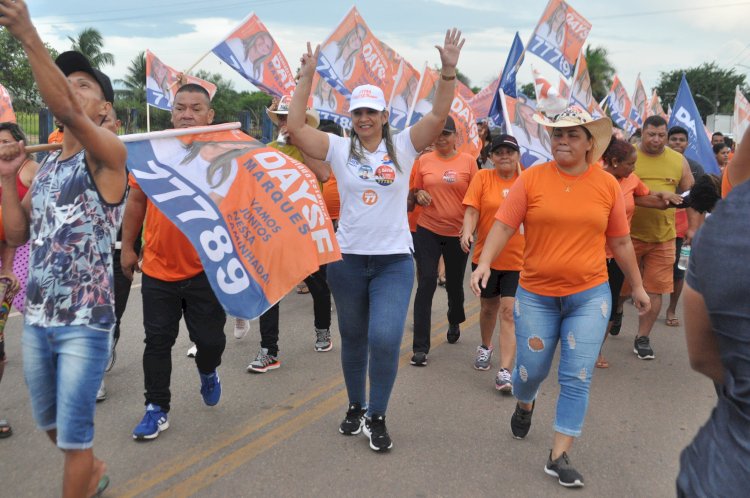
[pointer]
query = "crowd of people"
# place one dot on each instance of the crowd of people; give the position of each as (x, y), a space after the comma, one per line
(557, 251)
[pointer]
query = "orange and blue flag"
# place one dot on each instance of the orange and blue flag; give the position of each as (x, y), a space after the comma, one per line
(6, 107)
(162, 82)
(251, 51)
(559, 36)
(621, 107)
(533, 139)
(255, 216)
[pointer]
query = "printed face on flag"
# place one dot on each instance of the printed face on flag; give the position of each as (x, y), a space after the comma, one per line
(404, 91)
(255, 216)
(533, 139)
(481, 102)
(352, 56)
(329, 103)
(251, 51)
(741, 117)
(559, 36)
(620, 106)
(425, 96)
(162, 82)
(639, 112)
(6, 107)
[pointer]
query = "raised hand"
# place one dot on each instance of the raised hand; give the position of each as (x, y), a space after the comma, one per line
(451, 48)
(12, 156)
(309, 61)
(15, 17)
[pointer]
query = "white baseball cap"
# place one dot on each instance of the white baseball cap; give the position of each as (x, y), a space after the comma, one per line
(367, 96)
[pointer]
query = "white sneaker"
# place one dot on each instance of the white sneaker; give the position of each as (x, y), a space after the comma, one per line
(241, 328)
(192, 351)
(483, 357)
(101, 394)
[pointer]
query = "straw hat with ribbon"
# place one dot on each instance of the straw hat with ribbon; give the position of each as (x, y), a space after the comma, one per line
(600, 128)
(312, 117)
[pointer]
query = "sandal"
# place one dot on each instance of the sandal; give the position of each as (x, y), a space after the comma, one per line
(441, 281)
(302, 289)
(616, 324)
(602, 363)
(103, 484)
(672, 322)
(5, 429)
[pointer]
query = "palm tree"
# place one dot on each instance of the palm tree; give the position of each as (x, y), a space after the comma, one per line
(135, 79)
(601, 71)
(90, 43)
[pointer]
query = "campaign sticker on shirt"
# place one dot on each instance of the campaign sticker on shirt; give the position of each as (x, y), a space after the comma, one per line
(365, 172)
(387, 159)
(385, 175)
(369, 197)
(450, 176)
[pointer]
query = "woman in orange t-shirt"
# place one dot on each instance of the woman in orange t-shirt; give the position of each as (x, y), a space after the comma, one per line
(486, 193)
(569, 208)
(619, 161)
(440, 182)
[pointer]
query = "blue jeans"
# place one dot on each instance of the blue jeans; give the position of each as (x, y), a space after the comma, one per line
(372, 296)
(579, 322)
(63, 367)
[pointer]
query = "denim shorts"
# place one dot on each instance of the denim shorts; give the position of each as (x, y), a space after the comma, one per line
(64, 367)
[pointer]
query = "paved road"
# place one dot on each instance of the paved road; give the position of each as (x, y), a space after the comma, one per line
(276, 434)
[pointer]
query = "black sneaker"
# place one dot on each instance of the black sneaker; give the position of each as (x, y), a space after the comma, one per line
(616, 324)
(520, 422)
(352, 423)
(374, 428)
(419, 359)
(562, 469)
(642, 347)
(454, 332)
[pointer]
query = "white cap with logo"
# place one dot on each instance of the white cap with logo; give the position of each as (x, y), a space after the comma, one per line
(367, 96)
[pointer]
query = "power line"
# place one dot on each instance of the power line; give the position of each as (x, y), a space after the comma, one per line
(669, 11)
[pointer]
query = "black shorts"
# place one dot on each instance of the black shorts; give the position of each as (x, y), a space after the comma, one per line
(501, 283)
(616, 279)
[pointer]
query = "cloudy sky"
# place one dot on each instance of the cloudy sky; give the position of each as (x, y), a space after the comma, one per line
(642, 36)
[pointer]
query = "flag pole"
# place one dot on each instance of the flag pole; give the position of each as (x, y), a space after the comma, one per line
(148, 118)
(416, 95)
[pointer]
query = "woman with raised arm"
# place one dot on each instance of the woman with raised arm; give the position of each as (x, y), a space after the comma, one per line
(569, 208)
(372, 283)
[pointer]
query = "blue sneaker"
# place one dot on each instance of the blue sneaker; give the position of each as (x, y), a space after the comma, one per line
(154, 422)
(210, 388)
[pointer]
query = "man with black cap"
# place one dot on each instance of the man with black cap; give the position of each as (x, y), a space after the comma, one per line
(72, 217)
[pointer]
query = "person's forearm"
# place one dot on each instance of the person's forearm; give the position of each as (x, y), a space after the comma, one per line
(15, 218)
(296, 118)
(471, 217)
(651, 201)
(135, 213)
(444, 93)
(695, 220)
(702, 344)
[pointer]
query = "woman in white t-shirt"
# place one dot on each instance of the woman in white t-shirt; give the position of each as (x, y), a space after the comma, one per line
(372, 283)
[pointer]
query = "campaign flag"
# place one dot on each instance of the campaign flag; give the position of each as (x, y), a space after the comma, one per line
(620, 107)
(464, 91)
(251, 51)
(533, 139)
(162, 82)
(548, 98)
(255, 216)
(353, 56)
(6, 107)
(482, 101)
(580, 92)
(467, 135)
(640, 104)
(329, 103)
(402, 96)
(741, 117)
(654, 106)
(685, 113)
(559, 36)
(507, 80)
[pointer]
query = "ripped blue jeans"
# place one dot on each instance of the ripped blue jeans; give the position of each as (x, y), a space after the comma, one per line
(578, 322)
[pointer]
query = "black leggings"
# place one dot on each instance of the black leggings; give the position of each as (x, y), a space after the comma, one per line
(616, 279)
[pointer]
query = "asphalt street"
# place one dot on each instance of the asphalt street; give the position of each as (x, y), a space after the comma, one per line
(276, 434)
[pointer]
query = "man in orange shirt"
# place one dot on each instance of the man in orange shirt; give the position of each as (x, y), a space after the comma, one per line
(174, 284)
(56, 137)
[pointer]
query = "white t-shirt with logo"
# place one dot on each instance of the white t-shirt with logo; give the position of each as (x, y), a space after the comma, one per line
(373, 196)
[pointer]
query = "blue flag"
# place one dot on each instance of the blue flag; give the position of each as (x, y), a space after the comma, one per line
(507, 80)
(685, 113)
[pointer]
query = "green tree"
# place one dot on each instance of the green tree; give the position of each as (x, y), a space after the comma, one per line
(90, 43)
(709, 84)
(225, 100)
(135, 80)
(601, 71)
(15, 72)
(528, 90)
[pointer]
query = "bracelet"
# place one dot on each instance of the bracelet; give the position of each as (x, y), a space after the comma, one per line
(447, 78)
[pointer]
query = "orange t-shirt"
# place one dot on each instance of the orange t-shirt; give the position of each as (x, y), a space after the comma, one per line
(331, 197)
(631, 187)
(167, 254)
(446, 180)
(486, 193)
(726, 187)
(56, 137)
(565, 231)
